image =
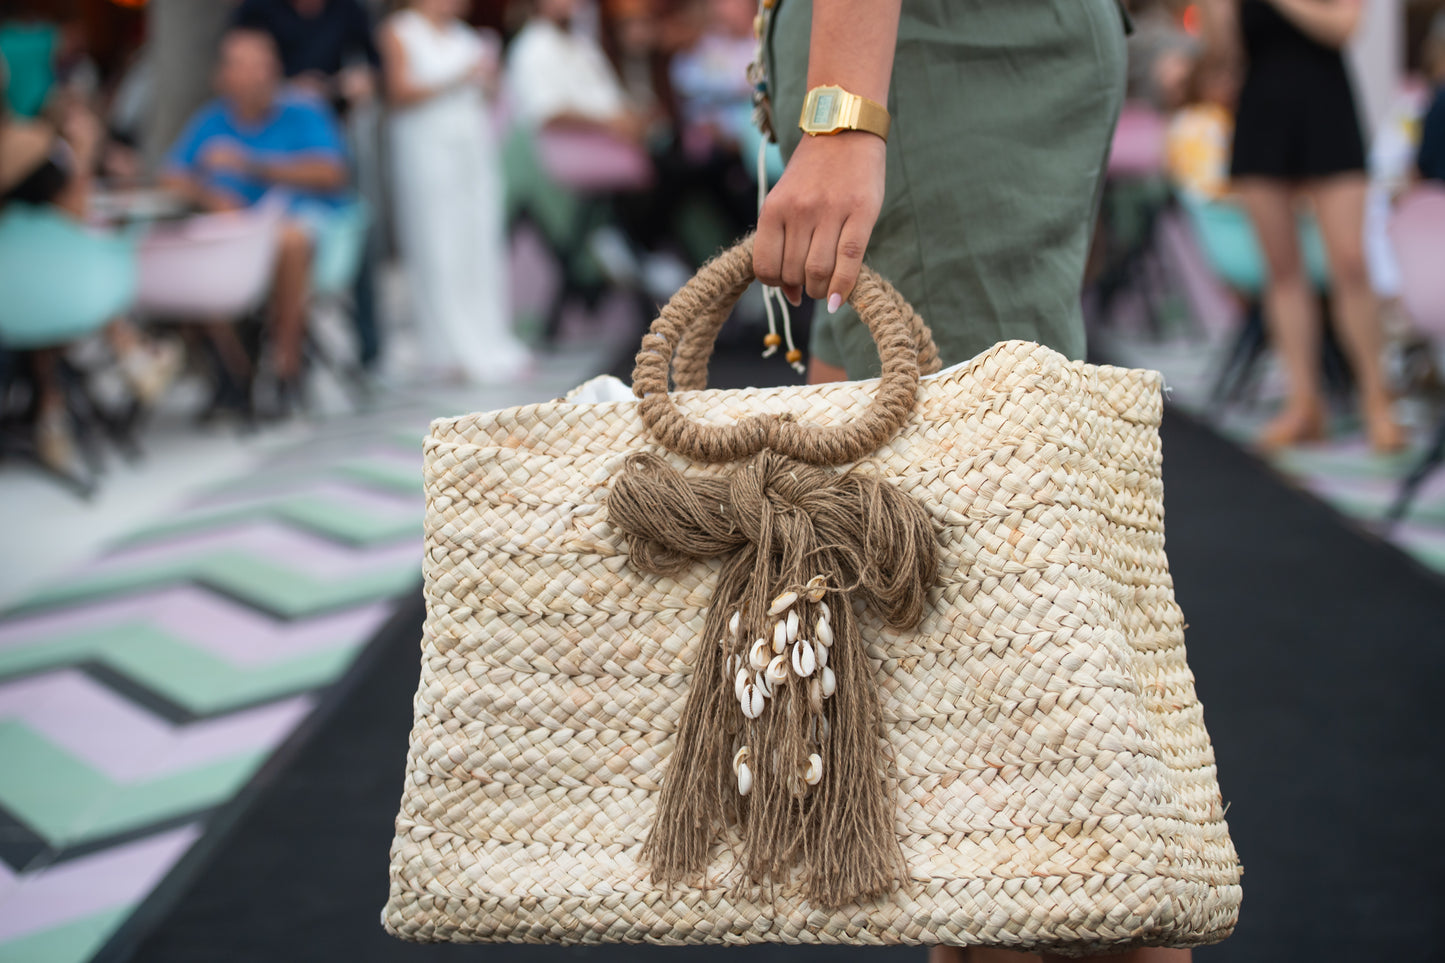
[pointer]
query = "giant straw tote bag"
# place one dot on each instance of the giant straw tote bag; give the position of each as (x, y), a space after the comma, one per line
(877, 662)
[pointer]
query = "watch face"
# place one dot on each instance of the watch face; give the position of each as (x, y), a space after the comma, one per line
(825, 109)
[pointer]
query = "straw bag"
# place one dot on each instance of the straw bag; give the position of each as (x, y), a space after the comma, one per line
(914, 672)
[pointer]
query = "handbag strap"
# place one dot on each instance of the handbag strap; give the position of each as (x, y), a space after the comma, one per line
(684, 333)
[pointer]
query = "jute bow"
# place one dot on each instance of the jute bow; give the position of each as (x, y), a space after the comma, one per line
(791, 752)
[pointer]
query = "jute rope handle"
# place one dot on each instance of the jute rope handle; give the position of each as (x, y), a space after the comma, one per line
(683, 335)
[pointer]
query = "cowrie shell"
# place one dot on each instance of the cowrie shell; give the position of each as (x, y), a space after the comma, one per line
(735, 623)
(778, 670)
(782, 603)
(793, 626)
(741, 757)
(814, 773)
(821, 651)
(761, 683)
(759, 654)
(780, 636)
(758, 702)
(740, 681)
(804, 662)
(829, 682)
(745, 780)
(824, 632)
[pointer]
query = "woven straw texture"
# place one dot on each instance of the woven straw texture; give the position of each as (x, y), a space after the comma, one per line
(1056, 784)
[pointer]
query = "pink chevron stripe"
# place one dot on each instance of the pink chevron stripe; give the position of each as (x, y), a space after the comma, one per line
(265, 538)
(236, 633)
(82, 887)
(94, 724)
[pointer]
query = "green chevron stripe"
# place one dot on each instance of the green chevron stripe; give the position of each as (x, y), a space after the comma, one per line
(67, 802)
(407, 440)
(320, 516)
(74, 942)
(256, 581)
(186, 675)
(386, 477)
(1348, 464)
(1431, 556)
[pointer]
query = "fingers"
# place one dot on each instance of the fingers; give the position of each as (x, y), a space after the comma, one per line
(797, 238)
(780, 250)
(852, 243)
(768, 247)
(822, 255)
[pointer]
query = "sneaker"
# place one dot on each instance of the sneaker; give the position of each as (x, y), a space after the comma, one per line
(151, 369)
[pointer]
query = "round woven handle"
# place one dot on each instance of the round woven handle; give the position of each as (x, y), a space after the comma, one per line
(682, 338)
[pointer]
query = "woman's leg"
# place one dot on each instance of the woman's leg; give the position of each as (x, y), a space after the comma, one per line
(1150, 954)
(1289, 309)
(1339, 204)
(983, 954)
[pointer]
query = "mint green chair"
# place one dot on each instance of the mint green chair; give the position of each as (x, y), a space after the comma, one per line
(61, 282)
(340, 248)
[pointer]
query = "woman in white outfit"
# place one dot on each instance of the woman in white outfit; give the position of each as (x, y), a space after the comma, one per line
(448, 189)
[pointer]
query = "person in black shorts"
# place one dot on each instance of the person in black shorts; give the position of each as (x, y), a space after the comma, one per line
(1297, 133)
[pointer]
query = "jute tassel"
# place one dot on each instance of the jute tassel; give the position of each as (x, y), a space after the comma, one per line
(828, 538)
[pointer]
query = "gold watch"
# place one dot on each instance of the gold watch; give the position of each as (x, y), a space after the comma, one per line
(831, 109)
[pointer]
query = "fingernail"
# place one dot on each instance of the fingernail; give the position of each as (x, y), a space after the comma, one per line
(835, 301)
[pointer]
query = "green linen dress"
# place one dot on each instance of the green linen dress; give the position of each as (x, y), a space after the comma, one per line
(1002, 115)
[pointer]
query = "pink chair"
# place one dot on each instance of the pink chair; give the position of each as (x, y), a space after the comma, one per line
(1417, 232)
(214, 268)
(593, 162)
(211, 267)
(1138, 147)
(1136, 156)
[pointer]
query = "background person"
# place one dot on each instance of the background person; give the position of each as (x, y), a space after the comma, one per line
(448, 188)
(50, 173)
(1297, 134)
(254, 139)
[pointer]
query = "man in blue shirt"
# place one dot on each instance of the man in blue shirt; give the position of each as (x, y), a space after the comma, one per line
(254, 141)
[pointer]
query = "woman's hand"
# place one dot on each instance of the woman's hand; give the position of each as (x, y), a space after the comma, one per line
(814, 227)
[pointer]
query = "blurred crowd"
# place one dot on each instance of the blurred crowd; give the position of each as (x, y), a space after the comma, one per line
(338, 137)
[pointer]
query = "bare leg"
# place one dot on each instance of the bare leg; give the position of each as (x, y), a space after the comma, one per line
(54, 440)
(977, 954)
(1289, 309)
(821, 373)
(46, 371)
(1152, 954)
(288, 299)
(123, 337)
(232, 353)
(1340, 209)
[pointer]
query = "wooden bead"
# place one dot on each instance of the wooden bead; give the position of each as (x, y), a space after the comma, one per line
(772, 340)
(795, 356)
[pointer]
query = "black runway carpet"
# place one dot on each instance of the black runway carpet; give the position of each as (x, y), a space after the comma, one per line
(1316, 650)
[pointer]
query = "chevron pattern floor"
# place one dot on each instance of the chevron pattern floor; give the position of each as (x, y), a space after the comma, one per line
(142, 693)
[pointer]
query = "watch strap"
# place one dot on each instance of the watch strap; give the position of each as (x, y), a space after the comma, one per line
(872, 117)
